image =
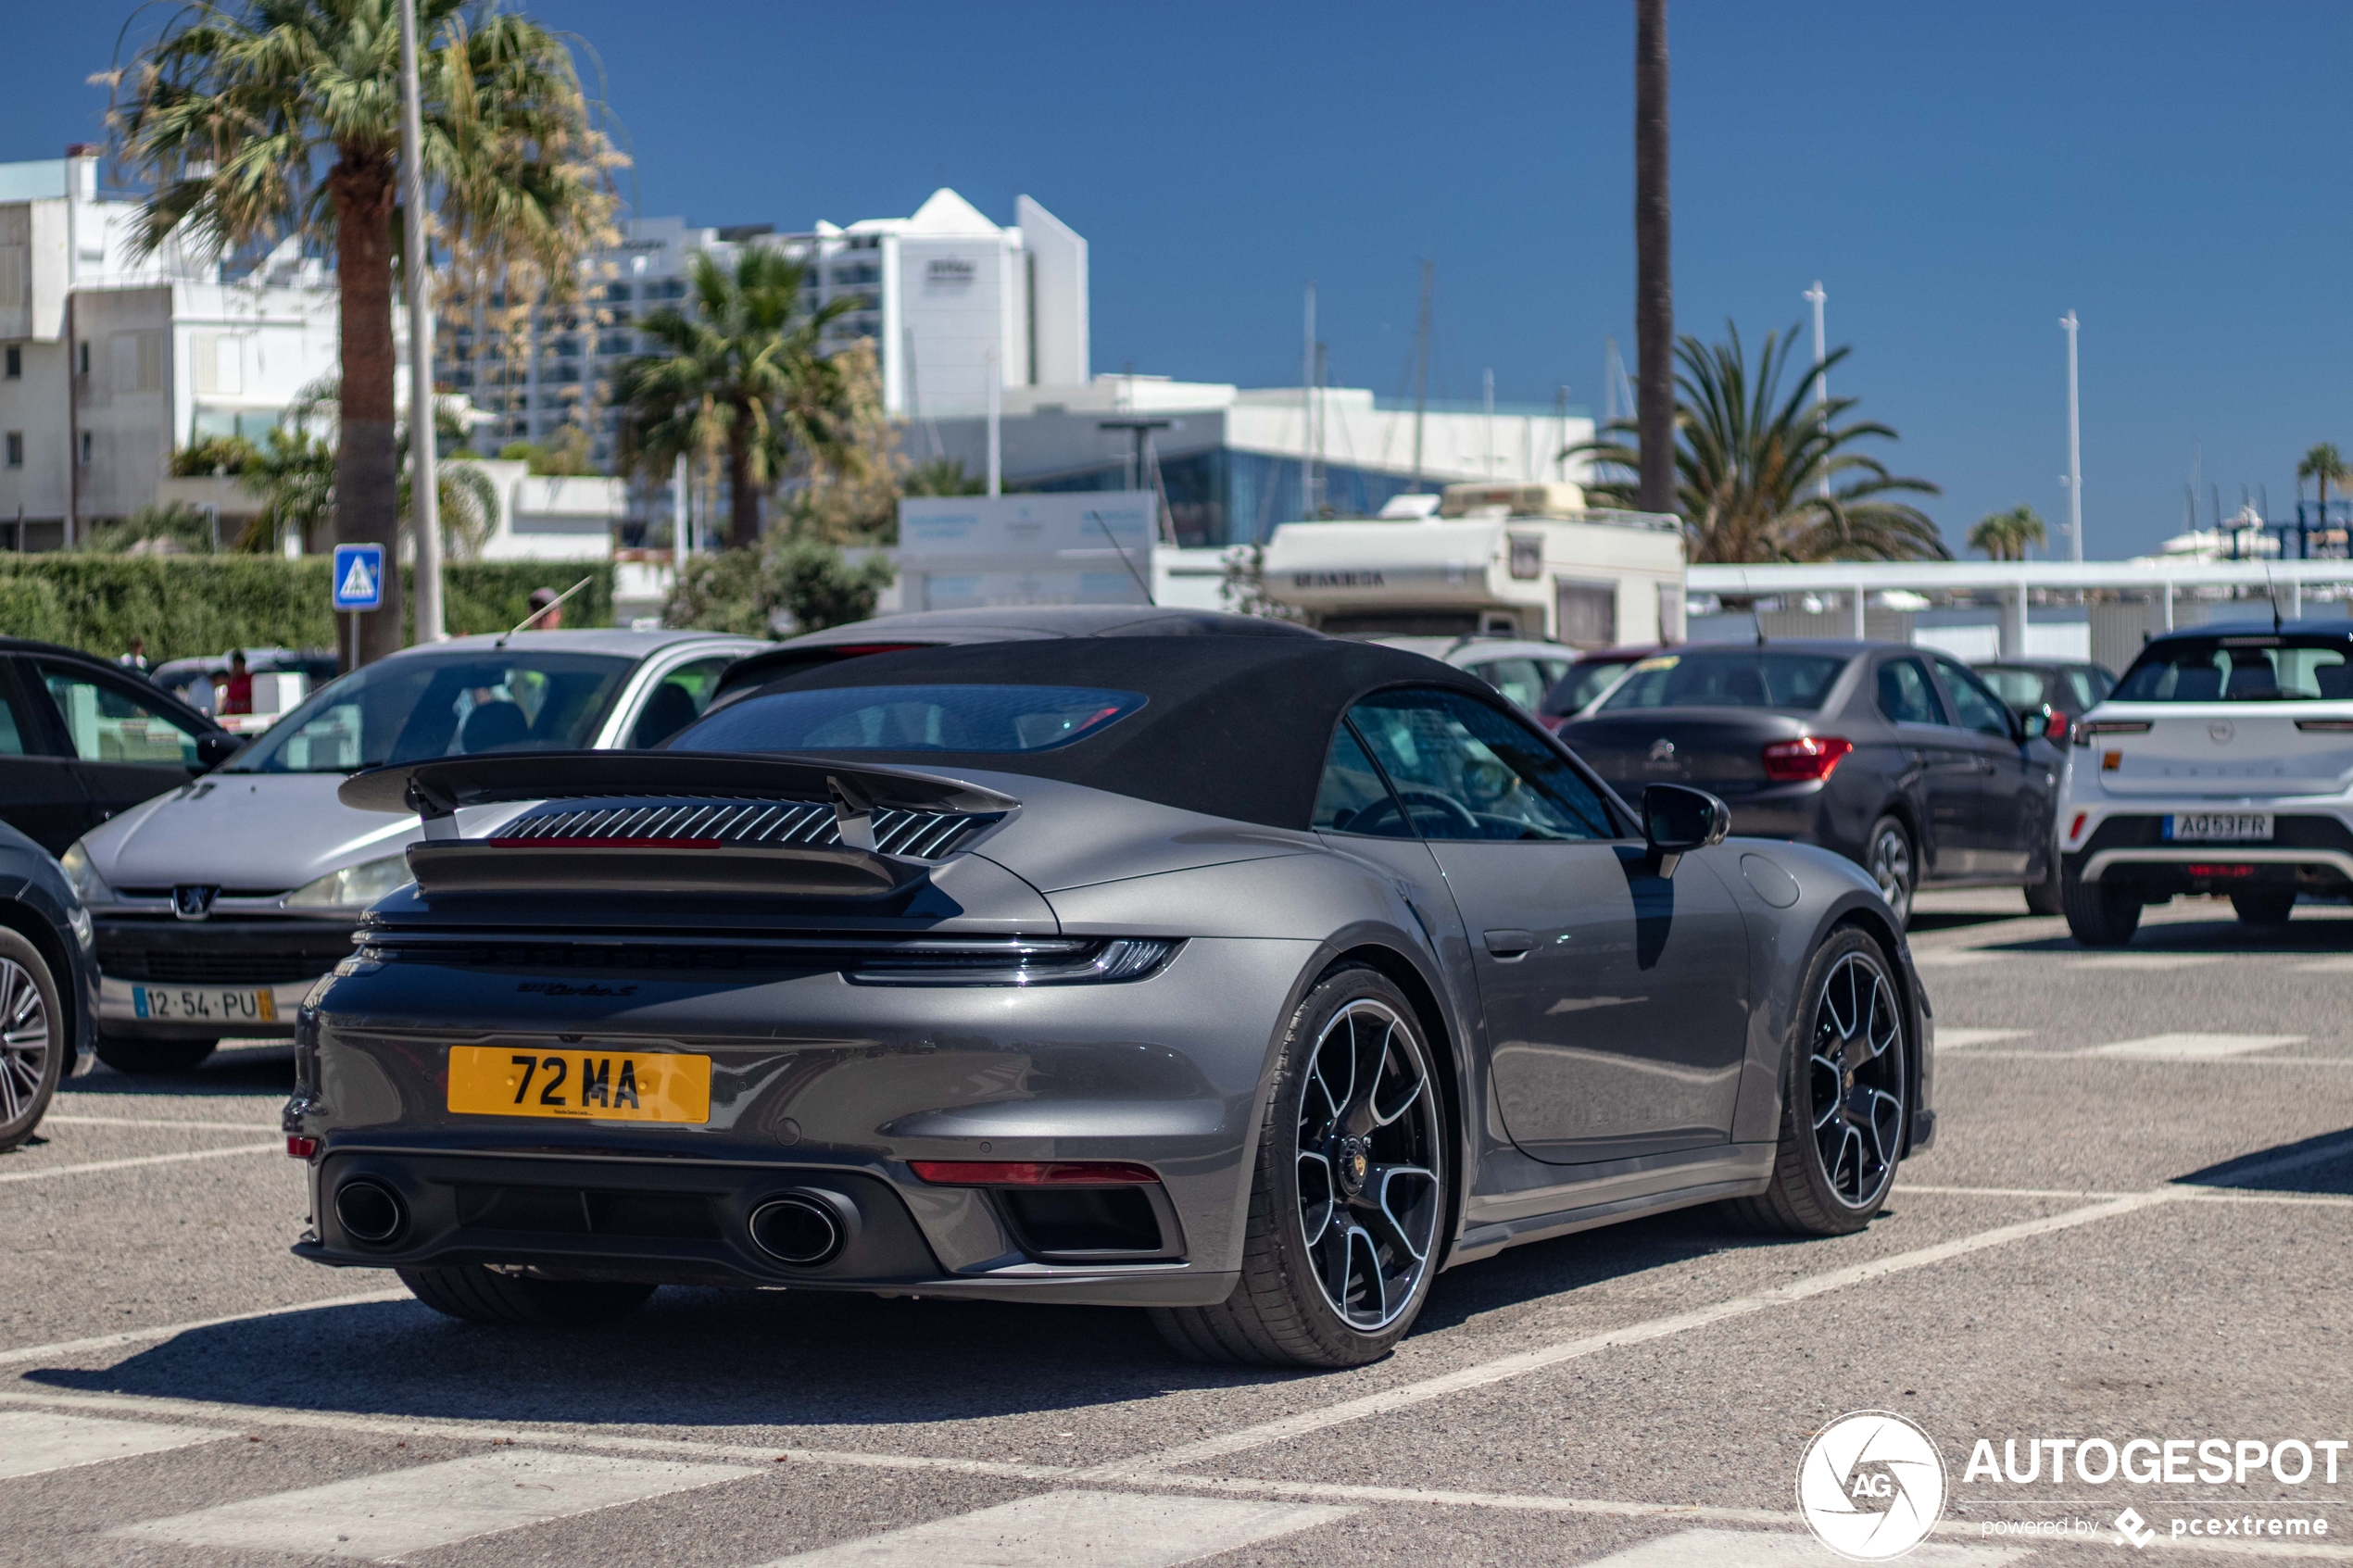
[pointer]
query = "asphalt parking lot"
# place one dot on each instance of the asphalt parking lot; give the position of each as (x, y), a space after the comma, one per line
(2135, 1225)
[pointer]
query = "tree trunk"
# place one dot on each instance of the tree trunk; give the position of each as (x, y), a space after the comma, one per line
(367, 469)
(743, 500)
(1653, 275)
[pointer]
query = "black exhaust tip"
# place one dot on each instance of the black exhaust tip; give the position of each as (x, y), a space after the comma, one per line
(370, 1212)
(800, 1229)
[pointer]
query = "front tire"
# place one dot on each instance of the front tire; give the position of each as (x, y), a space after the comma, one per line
(2098, 915)
(33, 1039)
(1350, 1195)
(471, 1293)
(1892, 860)
(2048, 896)
(152, 1056)
(1845, 1096)
(2268, 910)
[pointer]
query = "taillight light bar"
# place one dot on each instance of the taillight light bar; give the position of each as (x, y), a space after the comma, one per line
(1034, 1173)
(2055, 730)
(2326, 727)
(1806, 759)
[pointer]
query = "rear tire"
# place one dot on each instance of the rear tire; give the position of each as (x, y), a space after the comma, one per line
(2048, 896)
(1845, 1096)
(33, 1039)
(2271, 910)
(147, 1056)
(1351, 1193)
(471, 1293)
(2097, 915)
(1893, 862)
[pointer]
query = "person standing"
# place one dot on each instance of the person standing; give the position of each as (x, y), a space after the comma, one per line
(137, 658)
(235, 695)
(546, 615)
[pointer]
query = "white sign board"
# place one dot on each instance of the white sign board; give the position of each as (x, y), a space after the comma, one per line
(1088, 546)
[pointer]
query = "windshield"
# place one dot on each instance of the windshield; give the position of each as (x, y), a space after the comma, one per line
(415, 708)
(910, 718)
(2250, 669)
(1797, 681)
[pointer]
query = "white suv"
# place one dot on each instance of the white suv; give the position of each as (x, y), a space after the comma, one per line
(2222, 763)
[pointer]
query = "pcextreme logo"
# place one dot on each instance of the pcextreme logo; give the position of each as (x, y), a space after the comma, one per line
(1871, 1485)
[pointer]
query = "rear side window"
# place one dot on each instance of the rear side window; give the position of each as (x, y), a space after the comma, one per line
(1520, 680)
(2019, 688)
(1762, 679)
(108, 724)
(2254, 669)
(975, 717)
(1906, 694)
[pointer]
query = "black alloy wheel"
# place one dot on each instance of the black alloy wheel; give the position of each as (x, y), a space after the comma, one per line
(1890, 858)
(1351, 1196)
(1846, 1096)
(32, 1045)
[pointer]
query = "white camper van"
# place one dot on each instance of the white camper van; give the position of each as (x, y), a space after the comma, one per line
(1516, 560)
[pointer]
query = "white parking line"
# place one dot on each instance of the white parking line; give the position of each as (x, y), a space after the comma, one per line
(2195, 1048)
(54, 1120)
(278, 1148)
(1078, 1530)
(2341, 965)
(173, 1330)
(2146, 960)
(1747, 1548)
(401, 1512)
(1964, 1039)
(35, 1442)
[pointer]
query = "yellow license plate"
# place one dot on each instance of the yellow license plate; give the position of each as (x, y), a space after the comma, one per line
(600, 1085)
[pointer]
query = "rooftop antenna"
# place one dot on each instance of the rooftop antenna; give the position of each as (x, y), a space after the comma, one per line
(1755, 617)
(541, 610)
(2271, 591)
(1123, 559)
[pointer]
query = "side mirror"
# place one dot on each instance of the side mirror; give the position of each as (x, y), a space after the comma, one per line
(216, 748)
(1677, 820)
(2035, 726)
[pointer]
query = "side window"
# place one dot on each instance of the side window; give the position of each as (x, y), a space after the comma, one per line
(1906, 694)
(1518, 679)
(1352, 797)
(1980, 710)
(677, 702)
(1464, 769)
(108, 724)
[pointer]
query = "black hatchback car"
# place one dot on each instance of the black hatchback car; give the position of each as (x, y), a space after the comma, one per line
(1900, 758)
(82, 740)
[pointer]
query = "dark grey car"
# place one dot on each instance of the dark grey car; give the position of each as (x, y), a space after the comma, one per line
(1898, 758)
(1249, 980)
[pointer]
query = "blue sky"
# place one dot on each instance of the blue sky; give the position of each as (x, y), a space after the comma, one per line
(1958, 176)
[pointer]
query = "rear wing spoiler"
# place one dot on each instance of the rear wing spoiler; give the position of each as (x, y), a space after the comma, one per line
(859, 852)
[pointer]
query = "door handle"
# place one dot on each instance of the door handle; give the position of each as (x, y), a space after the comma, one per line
(1509, 944)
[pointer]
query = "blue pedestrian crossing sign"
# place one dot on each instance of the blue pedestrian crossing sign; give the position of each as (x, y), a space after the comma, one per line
(359, 576)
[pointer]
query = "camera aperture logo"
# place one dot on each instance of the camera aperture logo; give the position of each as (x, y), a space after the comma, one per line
(1871, 1485)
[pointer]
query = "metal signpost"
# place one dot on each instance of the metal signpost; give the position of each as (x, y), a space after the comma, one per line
(357, 586)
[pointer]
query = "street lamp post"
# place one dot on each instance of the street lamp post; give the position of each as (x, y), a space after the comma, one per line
(1821, 382)
(425, 494)
(2074, 451)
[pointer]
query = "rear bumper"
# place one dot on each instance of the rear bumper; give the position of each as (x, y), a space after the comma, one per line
(2310, 849)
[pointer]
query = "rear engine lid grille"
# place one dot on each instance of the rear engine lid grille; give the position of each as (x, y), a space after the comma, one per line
(874, 961)
(673, 824)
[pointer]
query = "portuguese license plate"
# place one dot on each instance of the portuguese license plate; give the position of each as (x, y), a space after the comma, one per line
(202, 1004)
(596, 1085)
(2219, 827)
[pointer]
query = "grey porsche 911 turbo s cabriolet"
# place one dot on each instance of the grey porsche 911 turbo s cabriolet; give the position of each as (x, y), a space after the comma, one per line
(1251, 981)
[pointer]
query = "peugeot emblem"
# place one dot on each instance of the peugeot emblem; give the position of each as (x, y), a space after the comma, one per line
(1662, 750)
(193, 900)
(2220, 731)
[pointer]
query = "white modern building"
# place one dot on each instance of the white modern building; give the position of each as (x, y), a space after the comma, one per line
(108, 360)
(946, 297)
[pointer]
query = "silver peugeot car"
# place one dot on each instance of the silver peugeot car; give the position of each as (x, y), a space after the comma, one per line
(1249, 980)
(219, 903)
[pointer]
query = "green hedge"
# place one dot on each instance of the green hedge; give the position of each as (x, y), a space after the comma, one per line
(192, 605)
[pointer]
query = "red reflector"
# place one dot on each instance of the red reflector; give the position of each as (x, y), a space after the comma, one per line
(606, 843)
(298, 1148)
(1808, 756)
(2077, 830)
(1032, 1173)
(2222, 871)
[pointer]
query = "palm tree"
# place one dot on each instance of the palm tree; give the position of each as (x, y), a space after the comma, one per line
(1653, 269)
(293, 474)
(1749, 462)
(259, 118)
(2325, 463)
(2004, 535)
(743, 384)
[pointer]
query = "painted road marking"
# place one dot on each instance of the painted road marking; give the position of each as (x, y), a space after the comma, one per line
(2195, 1048)
(1962, 1039)
(277, 1147)
(1071, 1529)
(34, 1442)
(2146, 960)
(1742, 1548)
(2341, 965)
(433, 1505)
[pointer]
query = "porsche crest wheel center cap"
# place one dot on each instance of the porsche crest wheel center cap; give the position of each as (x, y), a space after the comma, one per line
(1351, 1164)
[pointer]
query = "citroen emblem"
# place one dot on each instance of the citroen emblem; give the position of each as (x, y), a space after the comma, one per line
(1662, 750)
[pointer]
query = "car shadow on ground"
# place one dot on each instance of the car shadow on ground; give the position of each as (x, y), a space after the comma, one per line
(796, 1359)
(2251, 1172)
(262, 1072)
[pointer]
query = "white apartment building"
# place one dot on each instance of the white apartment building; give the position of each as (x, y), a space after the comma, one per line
(944, 295)
(109, 360)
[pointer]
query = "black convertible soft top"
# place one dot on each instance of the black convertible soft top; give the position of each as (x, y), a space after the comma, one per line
(1233, 727)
